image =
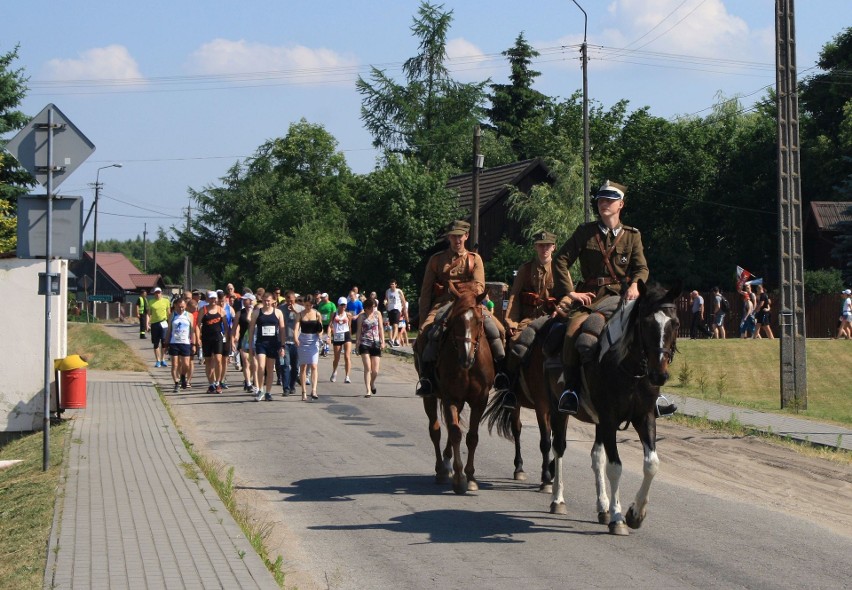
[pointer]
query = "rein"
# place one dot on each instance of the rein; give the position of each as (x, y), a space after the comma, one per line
(460, 341)
(643, 350)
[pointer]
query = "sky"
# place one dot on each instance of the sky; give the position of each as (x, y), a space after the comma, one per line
(178, 92)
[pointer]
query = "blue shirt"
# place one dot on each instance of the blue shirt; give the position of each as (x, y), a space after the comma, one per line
(354, 307)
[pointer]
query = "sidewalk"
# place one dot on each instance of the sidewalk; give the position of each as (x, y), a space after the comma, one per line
(799, 429)
(133, 510)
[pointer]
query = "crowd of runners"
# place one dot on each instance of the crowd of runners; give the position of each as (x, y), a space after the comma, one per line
(271, 337)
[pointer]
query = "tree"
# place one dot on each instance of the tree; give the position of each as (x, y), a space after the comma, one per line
(13, 178)
(429, 111)
(515, 103)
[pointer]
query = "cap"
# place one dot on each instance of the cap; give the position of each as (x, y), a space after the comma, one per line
(211, 294)
(611, 190)
(249, 297)
(157, 290)
(847, 292)
(458, 228)
(341, 301)
(325, 295)
(544, 237)
(219, 292)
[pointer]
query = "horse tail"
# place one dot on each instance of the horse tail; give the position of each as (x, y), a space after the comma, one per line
(498, 414)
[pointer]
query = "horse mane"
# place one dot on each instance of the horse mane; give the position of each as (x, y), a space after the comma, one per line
(648, 303)
(465, 300)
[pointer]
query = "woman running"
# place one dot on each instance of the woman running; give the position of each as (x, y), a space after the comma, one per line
(265, 329)
(213, 338)
(340, 333)
(245, 346)
(308, 330)
(371, 341)
(180, 336)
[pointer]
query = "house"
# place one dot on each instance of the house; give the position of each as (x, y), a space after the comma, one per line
(822, 226)
(495, 186)
(117, 276)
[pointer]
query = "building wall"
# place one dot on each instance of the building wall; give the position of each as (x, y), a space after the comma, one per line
(22, 344)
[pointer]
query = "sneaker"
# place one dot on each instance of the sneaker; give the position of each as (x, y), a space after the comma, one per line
(347, 380)
(267, 397)
(254, 389)
(164, 364)
(225, 385)
(183, 381)
(176, 387)
(333, 376)
(258, 395)
(156, 364)
(246, 386)
(218, 388)
(211, 389)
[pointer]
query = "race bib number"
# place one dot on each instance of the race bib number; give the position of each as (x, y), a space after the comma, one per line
(339, 337)
(164, 324)
(267, 330)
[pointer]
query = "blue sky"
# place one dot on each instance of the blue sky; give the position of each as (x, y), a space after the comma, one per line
(179, 91)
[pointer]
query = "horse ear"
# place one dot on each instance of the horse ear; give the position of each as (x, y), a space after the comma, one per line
(674, 292)
(481, 297)
(640, 284)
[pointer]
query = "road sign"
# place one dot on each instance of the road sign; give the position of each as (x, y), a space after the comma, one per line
(67, 227)
(101, 298)
(70, 147)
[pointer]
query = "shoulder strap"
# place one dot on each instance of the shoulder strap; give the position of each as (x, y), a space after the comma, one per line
(606, 253)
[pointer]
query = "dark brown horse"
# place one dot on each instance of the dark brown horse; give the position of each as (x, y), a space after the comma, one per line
(465, 375)
(624, 384)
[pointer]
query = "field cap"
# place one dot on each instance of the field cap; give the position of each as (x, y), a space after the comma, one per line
(341, 301)
(544, 237)
(157, 290)
(458, 228)
(611, 190)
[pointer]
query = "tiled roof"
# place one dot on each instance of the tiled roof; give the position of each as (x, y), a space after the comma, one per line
(143, 281)
(828, 214)
(118, 267)
(492, 182)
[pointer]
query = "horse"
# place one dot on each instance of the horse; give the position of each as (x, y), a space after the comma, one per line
(465, 374)
(624, 385)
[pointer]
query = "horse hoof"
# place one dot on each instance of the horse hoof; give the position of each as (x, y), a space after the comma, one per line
(520, 476)
(546, 488)
(460, 485)
(558, 508)
(603, 517)
(442, 478)
(472, 486)
(634, 521)
(618, 528)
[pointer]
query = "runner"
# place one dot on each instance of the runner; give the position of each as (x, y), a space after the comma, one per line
(213, 335)
(266, 331)
(308, 330)
(371, 341)
(159, 312)
(340, 332)
(245, 346)
(181, 338)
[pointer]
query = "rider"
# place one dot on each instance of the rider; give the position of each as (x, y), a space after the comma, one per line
(457, 265)
(612, 261)
(530, 298)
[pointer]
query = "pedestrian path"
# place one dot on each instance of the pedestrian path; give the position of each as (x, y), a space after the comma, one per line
(133, 510)
(779, 424)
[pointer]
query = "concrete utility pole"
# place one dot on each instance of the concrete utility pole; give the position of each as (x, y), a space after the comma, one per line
(794, 389)
(145, 248)
(477, 168)
(95, 249)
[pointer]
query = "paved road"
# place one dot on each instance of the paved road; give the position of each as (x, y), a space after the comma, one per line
(349, 482)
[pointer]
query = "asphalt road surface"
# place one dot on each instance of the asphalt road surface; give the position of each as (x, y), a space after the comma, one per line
(346, 486)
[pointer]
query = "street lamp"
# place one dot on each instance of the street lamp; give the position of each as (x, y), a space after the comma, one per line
(95, 250)
(584, 50)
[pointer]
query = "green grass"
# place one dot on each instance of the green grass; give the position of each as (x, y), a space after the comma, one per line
(746, 373)
(101, 350)
(27, 498)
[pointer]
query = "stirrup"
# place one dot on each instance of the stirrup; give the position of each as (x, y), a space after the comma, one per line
(666, 409)
(509, 400)
(569, 402)
(502, 382)
(424, 388)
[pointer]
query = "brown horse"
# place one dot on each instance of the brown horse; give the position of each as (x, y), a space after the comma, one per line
(465, 375)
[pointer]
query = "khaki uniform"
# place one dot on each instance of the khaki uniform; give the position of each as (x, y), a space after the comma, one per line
(443, 268)
(531, 295)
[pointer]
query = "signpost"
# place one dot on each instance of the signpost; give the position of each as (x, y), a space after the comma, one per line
(100, 298)
(50, 147)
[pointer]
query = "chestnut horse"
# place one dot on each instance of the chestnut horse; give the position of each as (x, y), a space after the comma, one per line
(465, 375)
(624, 384)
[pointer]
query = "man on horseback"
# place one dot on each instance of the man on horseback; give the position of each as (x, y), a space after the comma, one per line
(612, 260)
(457, 265)
(529, 298)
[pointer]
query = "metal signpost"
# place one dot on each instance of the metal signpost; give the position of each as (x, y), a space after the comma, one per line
(47, 139)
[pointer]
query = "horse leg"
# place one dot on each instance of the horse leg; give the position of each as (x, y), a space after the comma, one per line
(599, 469)
(472, 440)
(519, 474)
(542, 415)
(451, 417)
(647, 430)
(430, 404)
(613, 474)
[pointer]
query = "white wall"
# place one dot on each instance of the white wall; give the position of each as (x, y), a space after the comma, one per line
(22, 341)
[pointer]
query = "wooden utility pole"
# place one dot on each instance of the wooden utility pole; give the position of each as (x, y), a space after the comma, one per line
(145, 248)
(477, 168)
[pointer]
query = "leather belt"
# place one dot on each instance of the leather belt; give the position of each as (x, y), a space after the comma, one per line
(601, 281)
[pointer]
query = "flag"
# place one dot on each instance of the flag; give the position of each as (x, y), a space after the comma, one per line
(742, 276)
(754, 282)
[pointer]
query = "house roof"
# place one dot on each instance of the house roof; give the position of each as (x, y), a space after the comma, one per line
(118, 267)
(144, 281)
(493, 182)
(828, 215)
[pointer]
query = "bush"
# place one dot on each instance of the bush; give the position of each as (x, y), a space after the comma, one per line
(823, 281)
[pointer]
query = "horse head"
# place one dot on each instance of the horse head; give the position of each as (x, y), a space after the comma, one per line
(465, 324)
(657, 326)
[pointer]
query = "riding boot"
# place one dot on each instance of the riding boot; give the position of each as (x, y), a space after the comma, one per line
(665, 409)
(498, 353)
(425, 386)
(569, 401)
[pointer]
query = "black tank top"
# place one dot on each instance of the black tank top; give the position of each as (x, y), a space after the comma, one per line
(245, 320)
(211, 326)
(266, 327)
(311, 326)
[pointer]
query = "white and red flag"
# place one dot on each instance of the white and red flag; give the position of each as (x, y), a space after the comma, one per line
(743, 276)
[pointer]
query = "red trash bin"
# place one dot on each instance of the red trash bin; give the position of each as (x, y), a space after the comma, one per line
(72, 383)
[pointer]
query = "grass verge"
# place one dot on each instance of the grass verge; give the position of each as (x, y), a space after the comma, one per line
(746, 373)
(222, 480)
(101, 350)
(27, 499)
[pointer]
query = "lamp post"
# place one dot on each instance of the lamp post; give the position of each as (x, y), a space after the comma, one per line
(95, 249)
(584, 51)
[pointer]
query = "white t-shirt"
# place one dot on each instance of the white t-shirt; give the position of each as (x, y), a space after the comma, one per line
(394, 299)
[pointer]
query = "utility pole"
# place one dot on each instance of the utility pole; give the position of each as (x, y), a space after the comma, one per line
(95, 249)
(477, 168)
(145, 248)
(584, 51)
(187, 267)
(794, 389)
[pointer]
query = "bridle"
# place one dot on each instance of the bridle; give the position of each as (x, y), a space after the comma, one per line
(460, 341)
(644, 350)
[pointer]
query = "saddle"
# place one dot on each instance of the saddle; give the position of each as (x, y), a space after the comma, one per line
(434, 332)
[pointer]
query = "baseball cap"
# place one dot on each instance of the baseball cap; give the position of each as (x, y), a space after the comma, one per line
(157, 290)
(847, 292)
(324, 296)
(341, 301)
(249, 297)
(211, 294)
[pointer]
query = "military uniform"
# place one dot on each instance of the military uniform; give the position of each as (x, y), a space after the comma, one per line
(443, 268)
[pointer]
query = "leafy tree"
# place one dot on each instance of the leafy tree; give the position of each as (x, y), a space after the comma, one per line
(842, 252)
(508, 257)
(823, 281)
(515, 103)
(430, 112)
(13, 178)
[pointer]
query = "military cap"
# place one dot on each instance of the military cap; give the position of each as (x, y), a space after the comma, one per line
(544, 237)
(458, 228)
(611, 190)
